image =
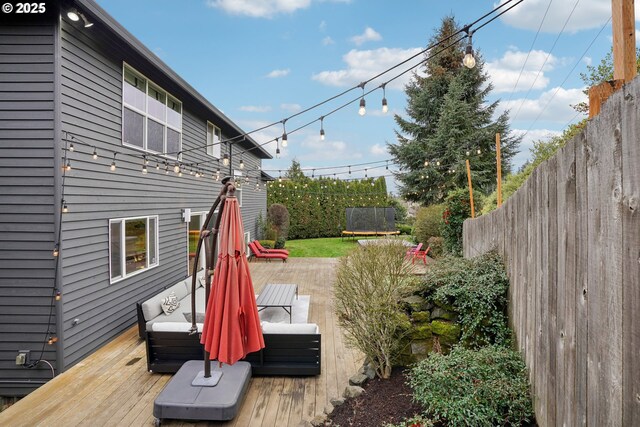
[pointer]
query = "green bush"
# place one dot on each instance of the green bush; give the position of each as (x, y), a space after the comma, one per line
(267, 244)
(415, 421)
(486, 387)
(476, 288)
(436, 244)
(428, 223)
(370, 283)
(280, 242)
(457, 210)
(278, 218)
(404, 228)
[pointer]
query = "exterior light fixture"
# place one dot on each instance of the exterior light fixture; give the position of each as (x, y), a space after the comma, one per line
(225, 159)
(469, 60)
(73, 15)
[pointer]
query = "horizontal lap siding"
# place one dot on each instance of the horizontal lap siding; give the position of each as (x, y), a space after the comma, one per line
(27, 230)
(92, 112)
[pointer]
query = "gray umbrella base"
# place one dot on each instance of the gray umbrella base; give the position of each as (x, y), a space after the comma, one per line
(183, 401)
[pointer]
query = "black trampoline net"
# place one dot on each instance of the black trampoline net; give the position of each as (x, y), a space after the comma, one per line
(371, 219)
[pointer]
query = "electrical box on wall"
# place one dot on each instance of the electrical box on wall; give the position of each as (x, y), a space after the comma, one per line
(186, 215)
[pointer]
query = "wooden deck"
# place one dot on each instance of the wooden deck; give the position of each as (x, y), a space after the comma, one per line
(112, 386)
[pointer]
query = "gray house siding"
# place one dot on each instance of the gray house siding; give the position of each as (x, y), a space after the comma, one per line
(91, 86)
(27, 197)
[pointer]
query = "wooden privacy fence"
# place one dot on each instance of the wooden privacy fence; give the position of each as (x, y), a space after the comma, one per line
(570, 238)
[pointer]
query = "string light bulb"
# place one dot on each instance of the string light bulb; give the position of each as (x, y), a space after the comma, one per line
(438, 163)
(113, 163)
(468, 153)
(469, 60)
(58, 295)
(385, 106)
(225, 159)
(56, 250)
(362, 110)
(479, 151)
(65, 208)
(71, 147)
(218, 174)
(176, 168)
(67, 167)
(144, 165)
(95, 154)
(241, 164)
(144, 169)
(322, 128)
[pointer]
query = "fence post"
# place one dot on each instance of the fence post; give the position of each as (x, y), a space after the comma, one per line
(499, 167)
(473, 211)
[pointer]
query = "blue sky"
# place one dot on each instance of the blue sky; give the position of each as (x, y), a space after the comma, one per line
(260, 61)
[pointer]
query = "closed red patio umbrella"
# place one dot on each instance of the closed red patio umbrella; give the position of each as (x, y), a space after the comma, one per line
(231, 325)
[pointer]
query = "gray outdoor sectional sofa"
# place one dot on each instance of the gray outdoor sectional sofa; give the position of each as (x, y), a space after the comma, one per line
(290, 349)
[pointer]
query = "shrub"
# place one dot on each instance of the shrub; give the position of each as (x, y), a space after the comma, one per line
(415, 421)
(370, 282)
(261, 226)
(436, 246)
(404, 228)
(278, 217)
(428, 223)
(280, 242)
(267, 244)
(476, 288)
(457, 210)
(485, 387)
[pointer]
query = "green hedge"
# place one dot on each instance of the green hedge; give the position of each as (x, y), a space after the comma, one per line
(317, 207)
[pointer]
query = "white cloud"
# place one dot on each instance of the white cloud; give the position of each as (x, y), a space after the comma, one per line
(327, 41)
(315, 150)
(362, 64)
(527, 143)
(369, 35)
(589, 14)
(504, 72)
(323, 25)
(378, 150)
(548, 107)
(587, 60)
(292, 108)
(255, 108)
(259, 8)
(278, 73)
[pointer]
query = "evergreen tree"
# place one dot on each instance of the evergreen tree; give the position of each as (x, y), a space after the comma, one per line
(448, 118)
(295, 173)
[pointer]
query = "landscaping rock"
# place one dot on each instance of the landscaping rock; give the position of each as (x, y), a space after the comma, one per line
(358, 379)
(448, 332)
(328, 409)
(370, 372)
(421, 332)
(319, 420)
(441, 313)
(421, 348)
(352, 391)
(416, 302)
(337, 401)
(421, 316)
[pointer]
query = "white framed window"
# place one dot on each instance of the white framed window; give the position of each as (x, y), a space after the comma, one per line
(214, 137)
(193, 235)
(133, 246)
(151, 117)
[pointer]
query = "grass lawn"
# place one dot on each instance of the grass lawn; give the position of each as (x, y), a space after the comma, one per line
(329, 247)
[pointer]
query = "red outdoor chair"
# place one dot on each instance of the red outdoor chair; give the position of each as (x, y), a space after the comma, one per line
(413, 250)
(257, 254)
(270, 251)
(421, 255)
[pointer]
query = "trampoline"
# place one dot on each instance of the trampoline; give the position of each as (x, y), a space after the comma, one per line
(370, 222)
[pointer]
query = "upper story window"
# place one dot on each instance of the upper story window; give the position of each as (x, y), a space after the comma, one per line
(151, 118)
(214, 136)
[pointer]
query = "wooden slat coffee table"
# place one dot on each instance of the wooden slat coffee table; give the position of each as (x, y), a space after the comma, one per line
(277, 295)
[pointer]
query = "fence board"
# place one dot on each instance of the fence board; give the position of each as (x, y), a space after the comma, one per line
(630, 255)
(552, 283)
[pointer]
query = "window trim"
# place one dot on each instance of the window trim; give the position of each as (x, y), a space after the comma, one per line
(148, 117)
(123, 252)
(207, 141)
(239, 189)
(203, 258)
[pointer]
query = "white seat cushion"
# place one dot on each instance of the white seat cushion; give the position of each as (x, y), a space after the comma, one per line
(289, 328)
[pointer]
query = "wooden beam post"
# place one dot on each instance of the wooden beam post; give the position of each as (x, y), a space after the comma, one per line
(624, 40)
(499, 168)
(473, 210)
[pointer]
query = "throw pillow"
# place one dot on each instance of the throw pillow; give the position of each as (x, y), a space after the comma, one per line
(170, 303)
(199, 317)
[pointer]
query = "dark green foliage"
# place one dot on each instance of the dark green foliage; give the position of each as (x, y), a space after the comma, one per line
(400, 208)
(428, 223)
(267, 244)
(436, 244)
(486, 387)
(280, 242)
(317, 208)
(262, 226)
(457, 209)
(404, 228)
(448, 117)
(476, 289)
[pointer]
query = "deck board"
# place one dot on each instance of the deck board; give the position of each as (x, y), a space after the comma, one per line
(111, 388)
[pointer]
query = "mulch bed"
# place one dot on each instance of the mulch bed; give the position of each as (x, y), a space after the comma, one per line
(384, 401)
